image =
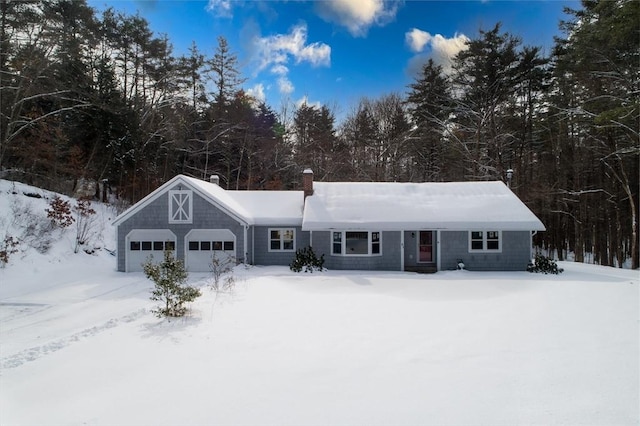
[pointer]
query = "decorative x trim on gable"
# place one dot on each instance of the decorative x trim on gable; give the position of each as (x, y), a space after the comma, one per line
(180, 206)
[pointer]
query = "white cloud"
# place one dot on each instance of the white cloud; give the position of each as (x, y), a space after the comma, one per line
(417, 39)
(279, 69)
(442, 49)
(277, 49)
(257, 92)
(275, 52)
(285, 86)
(220, 8)
(357, 15)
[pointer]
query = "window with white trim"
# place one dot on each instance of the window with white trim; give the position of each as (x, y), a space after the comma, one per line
(282, 239)
(485, 241)
(180, 206)
(356, 243)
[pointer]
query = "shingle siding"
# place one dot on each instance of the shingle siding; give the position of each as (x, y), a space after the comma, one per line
(261, 253)
(388, 261)
(515, 255)
(156, 216)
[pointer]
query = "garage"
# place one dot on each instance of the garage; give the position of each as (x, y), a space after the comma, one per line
(201, 245)
(142, 243)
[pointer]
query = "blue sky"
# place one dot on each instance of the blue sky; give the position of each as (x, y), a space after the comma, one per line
(337, 52)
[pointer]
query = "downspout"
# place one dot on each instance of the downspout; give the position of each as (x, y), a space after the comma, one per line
(253, 245)
(531, 235)
(402, 250)
(246, 251)
(438, 256)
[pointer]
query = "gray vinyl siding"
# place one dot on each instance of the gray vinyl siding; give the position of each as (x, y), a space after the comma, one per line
(515, 255)
(389, 260)
(261, 253)
(156, 216)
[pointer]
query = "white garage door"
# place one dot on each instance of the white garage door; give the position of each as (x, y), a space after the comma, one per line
(143, 243)
(202, 245)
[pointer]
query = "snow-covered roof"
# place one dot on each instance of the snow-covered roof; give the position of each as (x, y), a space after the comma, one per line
(257, 207)
(433, 205)
(250, 207)
(271, 207)
(221, 197)
(369, 205)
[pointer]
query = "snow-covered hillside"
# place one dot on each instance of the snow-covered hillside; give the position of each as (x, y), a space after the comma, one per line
(78, 344)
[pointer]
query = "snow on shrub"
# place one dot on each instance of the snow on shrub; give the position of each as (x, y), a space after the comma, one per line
(8, 246)
(59, 212)
(545, 265)
(306, 258)
(85, 222)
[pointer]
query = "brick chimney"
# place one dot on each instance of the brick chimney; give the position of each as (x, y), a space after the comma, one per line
(307, 182)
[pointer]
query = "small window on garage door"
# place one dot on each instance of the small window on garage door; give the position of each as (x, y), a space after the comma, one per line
(203, 244)
(143, 244)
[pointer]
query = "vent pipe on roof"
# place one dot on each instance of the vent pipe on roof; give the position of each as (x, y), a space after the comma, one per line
(215, 179)
(307, 182)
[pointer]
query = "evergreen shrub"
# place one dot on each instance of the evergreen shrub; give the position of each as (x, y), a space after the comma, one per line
(306, 259)
(169, 277)
(545, 265)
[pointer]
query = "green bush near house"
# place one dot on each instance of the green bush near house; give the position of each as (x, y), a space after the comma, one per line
(306, 258)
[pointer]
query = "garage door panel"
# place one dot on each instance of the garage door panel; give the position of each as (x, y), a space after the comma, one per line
(143, 244)
(203, 244)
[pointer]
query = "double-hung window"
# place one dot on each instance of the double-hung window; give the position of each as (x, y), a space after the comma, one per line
(485, 241)
(282, 239)
(356, 243)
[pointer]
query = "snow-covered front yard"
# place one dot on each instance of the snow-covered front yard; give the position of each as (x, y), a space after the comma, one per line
(79, 346)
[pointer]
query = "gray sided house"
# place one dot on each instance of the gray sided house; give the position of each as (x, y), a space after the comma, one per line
(421, 227)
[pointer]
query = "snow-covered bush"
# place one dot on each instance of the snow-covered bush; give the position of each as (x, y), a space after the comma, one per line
(169, 277)
(8, 246)
(544, 264)
(33, 229)
(59, 212)
(85, 222)
(219, 268)
(306, 258)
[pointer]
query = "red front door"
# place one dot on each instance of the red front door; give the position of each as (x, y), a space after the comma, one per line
(425, 246)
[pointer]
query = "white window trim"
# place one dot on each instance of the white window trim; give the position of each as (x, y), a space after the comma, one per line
(189, 201)
(484, 242)
(282, 249)
(344, 244)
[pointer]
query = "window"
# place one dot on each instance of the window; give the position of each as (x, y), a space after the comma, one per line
(356, 243)
(158, 245)
(169, 245)
(146, 245)
(485, 241)
(194, 245)
(337, 243)
(375, 243)
(228, 245)
(282, 239)
(217, 245)
(135, 245)
(180, 206)
(205, 245)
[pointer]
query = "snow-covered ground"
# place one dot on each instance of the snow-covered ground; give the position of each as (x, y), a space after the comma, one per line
(79, 346)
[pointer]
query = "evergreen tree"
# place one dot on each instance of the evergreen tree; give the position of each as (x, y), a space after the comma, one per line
(169, 277)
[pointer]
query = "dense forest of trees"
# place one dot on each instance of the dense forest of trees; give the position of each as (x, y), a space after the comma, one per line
(100, 97)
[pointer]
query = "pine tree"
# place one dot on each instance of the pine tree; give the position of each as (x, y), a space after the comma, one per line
(169, 277)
